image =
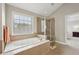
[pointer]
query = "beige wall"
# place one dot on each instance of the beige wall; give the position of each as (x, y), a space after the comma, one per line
(9, 9)
(59, 16)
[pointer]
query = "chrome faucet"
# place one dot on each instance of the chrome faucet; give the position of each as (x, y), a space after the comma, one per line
(40, 38)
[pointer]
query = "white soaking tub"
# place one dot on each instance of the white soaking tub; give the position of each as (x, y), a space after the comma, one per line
(18, 46)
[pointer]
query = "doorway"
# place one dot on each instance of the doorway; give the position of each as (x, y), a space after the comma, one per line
(72, 30)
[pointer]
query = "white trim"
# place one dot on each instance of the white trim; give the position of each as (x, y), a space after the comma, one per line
(62, 43)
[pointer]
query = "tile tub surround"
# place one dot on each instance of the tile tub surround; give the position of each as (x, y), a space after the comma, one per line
(20, 37)
(14, 48)
(21, 43)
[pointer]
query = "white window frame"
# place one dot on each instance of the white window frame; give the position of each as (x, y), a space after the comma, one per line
(19, 13)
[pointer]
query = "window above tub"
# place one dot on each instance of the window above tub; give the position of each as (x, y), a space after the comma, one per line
(22, 24)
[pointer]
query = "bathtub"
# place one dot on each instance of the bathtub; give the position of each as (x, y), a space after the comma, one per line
(25, 44)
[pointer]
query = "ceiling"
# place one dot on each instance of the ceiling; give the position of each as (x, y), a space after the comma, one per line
(44, 9)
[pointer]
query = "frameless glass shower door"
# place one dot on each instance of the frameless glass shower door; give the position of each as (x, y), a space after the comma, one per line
(50, 30)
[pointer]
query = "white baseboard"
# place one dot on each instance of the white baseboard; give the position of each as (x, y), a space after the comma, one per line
(61, 42)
